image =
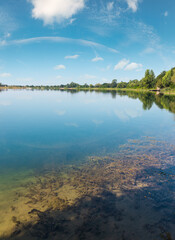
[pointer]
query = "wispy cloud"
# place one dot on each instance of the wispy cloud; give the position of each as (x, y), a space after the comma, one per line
(72, 20)
(106, 14)
(96, 59)
(60, 112)
(59, 67)
(5, 75)
(58, 77)
(107, 68)
(59, 40)
(97, 122)
(72, 57)
(141, 32)
(88, 76)
(51, 11)
(71, 124)
(133, 4)
(110, 6)
(3, 43)
(7, 35)
(148, 50)
(121, 64)
(166, 13)
(7, 23)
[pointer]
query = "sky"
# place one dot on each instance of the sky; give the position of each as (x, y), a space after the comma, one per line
(50, 42)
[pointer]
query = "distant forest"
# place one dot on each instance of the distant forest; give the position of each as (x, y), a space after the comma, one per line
(164, 80)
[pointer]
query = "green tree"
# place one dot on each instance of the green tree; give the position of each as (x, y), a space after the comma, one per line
(166, 80)
(159, 79)
(149, 80)
(114, 83)
(97, 85)
(133, 84)
(122, 85)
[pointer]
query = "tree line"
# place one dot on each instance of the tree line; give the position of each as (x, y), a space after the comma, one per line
(149, 81)
(165, 79)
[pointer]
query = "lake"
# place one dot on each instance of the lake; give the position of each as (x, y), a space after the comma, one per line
(87, 165)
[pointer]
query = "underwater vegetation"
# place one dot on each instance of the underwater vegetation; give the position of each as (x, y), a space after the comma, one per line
(128, 194)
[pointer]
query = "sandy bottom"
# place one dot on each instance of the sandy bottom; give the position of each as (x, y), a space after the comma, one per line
(128, 195)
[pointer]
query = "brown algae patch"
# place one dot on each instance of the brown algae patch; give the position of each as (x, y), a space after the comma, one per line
(126, 195)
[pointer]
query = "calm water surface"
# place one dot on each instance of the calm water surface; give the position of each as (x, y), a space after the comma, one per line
(47, 134)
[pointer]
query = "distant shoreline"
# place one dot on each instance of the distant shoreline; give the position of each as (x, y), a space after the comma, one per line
(162, 91)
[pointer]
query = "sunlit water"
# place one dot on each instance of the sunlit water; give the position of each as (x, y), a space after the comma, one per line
(47, 134)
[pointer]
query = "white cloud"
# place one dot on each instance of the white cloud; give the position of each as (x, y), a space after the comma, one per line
(166, 13)
(110, 6)
(60, 112)
(121, 64)
(97, 122)
(51, 11)
(107, 68)
(58, 77)
(133, 4)
(124, 64)
(27, 80)
(72, 20)
(71, 57)
(133, 66)
(7, 35)
(71, 124)
(3, 42)
(105, 80)
(87, 76)
(96, 59)
(148, 50)
(59, 67)
(5, 75)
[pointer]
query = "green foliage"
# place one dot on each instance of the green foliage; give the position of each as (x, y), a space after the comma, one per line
(85, 85)
(98, 85)
(114, 83)
(173, 77)
(72, 85)
(166, 80)
(149, 80)
(133, 84)
(159, 79)
(105, 85)
(122, 85)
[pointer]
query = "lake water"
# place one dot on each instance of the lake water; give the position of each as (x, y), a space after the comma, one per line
(87, 165)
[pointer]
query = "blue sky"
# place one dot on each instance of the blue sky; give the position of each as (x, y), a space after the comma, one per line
(94, 41)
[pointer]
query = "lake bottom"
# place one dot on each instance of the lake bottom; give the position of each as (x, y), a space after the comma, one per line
(127, 195)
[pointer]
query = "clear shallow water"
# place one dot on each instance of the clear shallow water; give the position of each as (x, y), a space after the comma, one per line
(53, 129)
(38, 126)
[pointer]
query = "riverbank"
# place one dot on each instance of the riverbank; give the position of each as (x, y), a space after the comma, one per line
(168, 91)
